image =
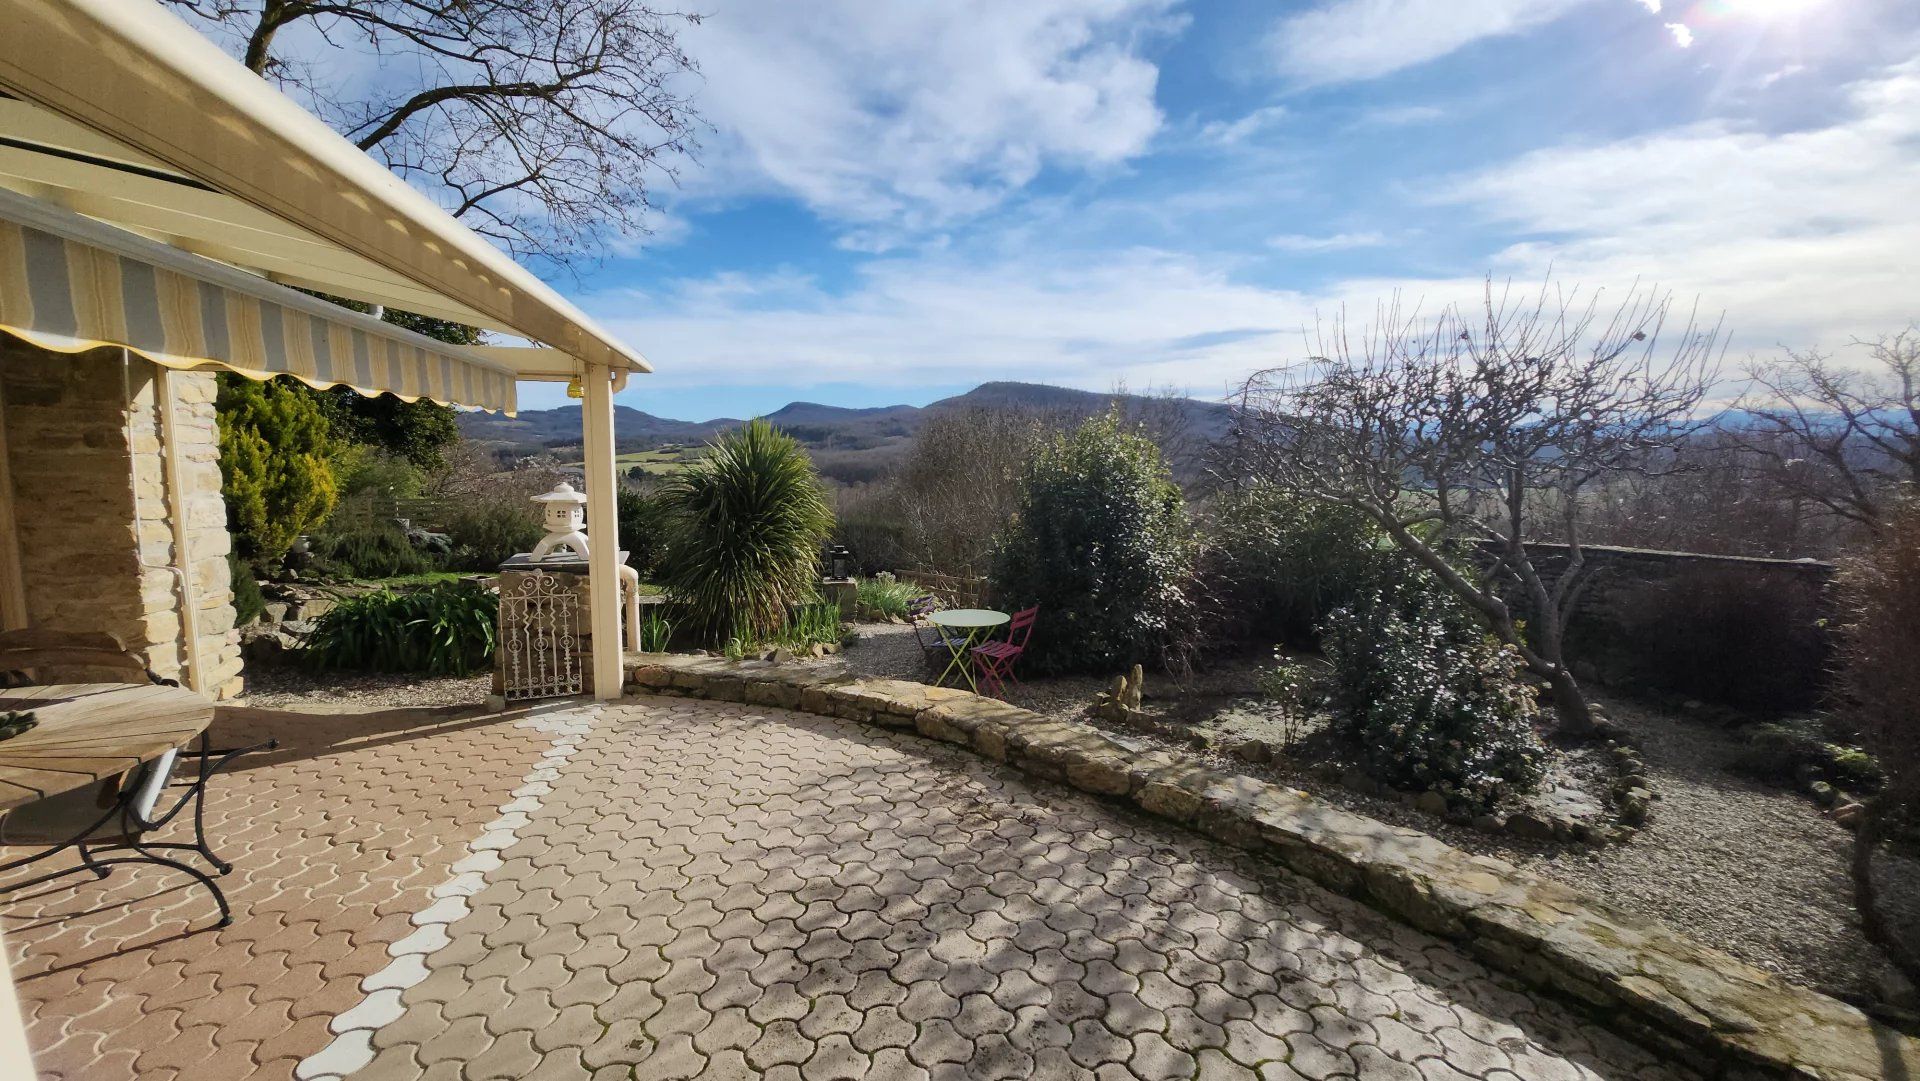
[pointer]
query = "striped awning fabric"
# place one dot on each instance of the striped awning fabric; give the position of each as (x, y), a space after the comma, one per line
(69, 284)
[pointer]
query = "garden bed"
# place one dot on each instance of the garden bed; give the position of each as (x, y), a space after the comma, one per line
(1757, 871)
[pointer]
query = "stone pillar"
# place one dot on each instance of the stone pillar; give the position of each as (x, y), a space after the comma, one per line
(571, 576)
(93, 508)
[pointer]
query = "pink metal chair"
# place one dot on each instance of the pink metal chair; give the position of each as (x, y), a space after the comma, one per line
(993, 661)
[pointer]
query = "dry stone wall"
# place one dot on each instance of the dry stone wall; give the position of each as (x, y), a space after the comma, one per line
(94, 512)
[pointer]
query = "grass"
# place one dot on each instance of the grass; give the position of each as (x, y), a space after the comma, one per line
(424, 578)
(660, 463)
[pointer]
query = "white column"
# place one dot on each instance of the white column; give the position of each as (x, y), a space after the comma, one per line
(603, 531)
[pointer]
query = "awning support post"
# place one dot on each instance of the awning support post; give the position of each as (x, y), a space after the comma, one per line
(603, 525)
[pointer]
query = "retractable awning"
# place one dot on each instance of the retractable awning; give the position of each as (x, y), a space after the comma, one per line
(118, 111)
(69, 283)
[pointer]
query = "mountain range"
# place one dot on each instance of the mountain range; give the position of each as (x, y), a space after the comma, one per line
(824, 427)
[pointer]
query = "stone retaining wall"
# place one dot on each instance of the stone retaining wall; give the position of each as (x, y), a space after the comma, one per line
(1695, 1003)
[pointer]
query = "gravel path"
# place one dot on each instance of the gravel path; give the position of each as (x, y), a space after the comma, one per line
(290, 687)
(1741, 866)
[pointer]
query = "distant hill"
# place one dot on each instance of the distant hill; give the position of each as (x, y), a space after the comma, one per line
(826, 427)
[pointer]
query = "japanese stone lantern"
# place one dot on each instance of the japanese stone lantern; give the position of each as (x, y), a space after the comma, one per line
(564, 513)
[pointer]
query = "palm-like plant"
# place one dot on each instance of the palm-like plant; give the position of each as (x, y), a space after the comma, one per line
(744, 525)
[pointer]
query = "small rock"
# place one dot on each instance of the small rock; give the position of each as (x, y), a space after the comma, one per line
(1488, 823)
(781, 655)
(1848, 814)
(1358, 781)
(1530, 826)
(1633, 810)
(1432, 803)
(818, 649)
(1822, 793)
(1252, 750)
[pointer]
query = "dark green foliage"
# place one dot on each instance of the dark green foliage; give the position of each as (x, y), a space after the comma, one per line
(379, 550)
(1101, 542)
(744, 527)
(642, 531)
(248, 604)
(485, 534)
(419, 431)
(1794, 752)
(1427, 698)
(446, 629)
(1281, 564)
(276, 464)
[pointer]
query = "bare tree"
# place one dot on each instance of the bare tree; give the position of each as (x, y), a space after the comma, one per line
(536, 122)
(960, 482)
(1462, 428)
(1846, 439)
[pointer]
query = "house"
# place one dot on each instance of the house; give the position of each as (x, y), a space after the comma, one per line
(160, 206)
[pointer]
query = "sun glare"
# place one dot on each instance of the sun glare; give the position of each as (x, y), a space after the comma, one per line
(1765, 9)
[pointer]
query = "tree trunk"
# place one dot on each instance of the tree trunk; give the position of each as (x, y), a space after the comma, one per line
(1866, 838)
(1569, 704)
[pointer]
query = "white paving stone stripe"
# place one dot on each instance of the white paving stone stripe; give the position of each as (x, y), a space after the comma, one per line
(353, 1028)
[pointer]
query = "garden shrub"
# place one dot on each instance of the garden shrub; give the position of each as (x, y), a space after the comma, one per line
(445, 629)
(276, 464)
(885, 596)
(1282, 564)
(641, 530)
(248, 602)
(375, 550)
(744, 526)
(485, 533)
(1100, 540)
(1721, 634)
(1427, 698)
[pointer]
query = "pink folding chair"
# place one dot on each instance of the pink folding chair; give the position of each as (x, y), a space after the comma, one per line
(993, 661)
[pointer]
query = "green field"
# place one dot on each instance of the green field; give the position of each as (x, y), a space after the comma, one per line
(660, 462)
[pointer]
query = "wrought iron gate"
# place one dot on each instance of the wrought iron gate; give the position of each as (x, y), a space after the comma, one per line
(539, 618)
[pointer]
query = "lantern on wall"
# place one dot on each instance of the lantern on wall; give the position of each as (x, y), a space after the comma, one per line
(564, 513)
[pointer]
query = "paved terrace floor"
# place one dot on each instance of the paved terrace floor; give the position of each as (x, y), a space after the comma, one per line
(666, 889)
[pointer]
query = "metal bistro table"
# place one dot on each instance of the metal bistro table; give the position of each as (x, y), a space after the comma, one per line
(975, 623)
(93, 733)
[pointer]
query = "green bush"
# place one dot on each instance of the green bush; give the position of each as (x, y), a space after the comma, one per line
(641, 530)
(276, 464)
(485, 534)
(1427, 698)
(446, 629)
(815, 621)
(1282, 564)
(248, 604)
(377, 550)
(744, 526)
(1791, 752)
(1101, 542)
(884, 596)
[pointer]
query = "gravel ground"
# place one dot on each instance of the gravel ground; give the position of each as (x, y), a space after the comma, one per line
(292, 688)
(1750, 869)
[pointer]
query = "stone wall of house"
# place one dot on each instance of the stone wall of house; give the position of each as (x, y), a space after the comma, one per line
(1747, 632)
(93, 509)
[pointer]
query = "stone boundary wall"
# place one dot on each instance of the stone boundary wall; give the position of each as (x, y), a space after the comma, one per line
(1636, 975)
(1620, 598)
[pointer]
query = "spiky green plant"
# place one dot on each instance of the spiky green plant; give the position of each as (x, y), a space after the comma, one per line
(744, 524)
(446, 629)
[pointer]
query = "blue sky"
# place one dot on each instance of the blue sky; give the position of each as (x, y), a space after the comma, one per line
(900, 200)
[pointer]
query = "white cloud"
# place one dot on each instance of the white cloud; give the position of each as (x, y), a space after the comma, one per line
(1652, 6)
(905, 117)
(1298, 242)
(1400, 116)
(1801, 237)
(1682, 34)
(1233, 132)
(1352, 40)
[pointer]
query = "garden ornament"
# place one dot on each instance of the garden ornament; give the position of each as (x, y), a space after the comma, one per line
(564, 513)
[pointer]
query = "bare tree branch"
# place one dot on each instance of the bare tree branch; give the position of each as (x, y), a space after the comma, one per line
(540, 122)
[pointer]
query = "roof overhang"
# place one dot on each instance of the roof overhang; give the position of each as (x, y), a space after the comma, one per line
(119, 111)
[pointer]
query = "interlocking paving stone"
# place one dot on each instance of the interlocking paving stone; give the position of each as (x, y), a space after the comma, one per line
(705, 890)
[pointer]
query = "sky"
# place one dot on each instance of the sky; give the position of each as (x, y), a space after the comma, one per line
(897, 201)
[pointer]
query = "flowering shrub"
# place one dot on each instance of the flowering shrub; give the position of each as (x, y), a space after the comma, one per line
(1428, 699)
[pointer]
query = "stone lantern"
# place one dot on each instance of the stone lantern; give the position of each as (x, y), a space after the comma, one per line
(564, 513)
